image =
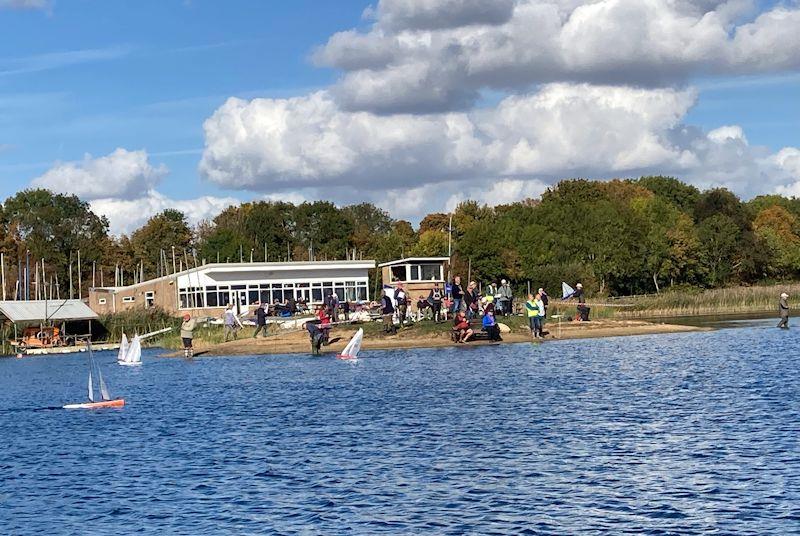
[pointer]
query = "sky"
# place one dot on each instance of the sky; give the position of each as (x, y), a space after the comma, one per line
(413, 105)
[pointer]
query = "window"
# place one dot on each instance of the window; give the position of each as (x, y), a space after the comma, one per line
(399, 273)
(430, 271)
(101, 301)
(212, 298)
(414, 273)
(149, 298)
(128, 299)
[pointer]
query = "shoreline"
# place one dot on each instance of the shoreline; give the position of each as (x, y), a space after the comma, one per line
(298, 343)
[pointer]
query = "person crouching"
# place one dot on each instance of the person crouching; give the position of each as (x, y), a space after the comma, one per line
(316, 335)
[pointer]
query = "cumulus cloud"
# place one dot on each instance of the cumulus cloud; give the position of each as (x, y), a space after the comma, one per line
(267, 144)
(127, 215)
(425, 55)
(411, 163)
(120, 174)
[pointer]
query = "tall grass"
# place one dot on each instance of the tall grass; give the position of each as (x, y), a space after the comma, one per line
(688, 302)
(136, 321)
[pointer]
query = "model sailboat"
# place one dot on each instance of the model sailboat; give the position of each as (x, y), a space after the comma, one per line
(351, 350)
(105, 397)
(132, 354)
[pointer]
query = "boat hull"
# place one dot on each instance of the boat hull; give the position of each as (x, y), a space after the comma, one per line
(116, 403)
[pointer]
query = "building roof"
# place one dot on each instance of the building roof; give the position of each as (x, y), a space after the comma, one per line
(41, 310)
(243, 266)
(414, 259)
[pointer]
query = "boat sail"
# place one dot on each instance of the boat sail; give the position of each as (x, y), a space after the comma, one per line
(123, 349)
(351, 350)
(105, 397)
(133, 352)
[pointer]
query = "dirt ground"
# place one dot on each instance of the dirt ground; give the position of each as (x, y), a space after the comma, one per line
(298, 341)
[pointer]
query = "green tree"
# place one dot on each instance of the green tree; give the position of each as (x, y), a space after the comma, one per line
(163, 232)
(682, 196)
(55, 227)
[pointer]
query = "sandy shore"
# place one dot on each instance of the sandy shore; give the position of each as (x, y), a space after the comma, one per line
(297, 342)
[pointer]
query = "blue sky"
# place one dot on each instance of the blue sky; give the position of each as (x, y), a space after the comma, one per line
(93, 76)
(84, 76)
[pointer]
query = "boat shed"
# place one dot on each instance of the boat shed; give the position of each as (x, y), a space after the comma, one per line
(42, 311)
(73, 318)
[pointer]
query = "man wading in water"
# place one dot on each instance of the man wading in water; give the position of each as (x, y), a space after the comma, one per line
(187, 333)
(783, 307)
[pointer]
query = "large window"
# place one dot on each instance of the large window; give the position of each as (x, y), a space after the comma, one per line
(417, 272)
(317, 291)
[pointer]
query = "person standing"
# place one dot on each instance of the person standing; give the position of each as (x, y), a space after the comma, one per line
(505, 295)
(231, 323)
(542, 314)
(783, 309)
(532, 310)
(458, 294)
(490, 293)
(187, 334)
(472, 300)
(346, 310)
(387, 313)
(261, 321)
(435, 299)
(401, 297)
(545, 300)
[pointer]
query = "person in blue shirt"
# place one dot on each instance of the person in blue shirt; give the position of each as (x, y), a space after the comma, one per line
(490, 326)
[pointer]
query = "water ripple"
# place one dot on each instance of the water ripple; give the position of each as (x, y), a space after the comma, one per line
(679, 434)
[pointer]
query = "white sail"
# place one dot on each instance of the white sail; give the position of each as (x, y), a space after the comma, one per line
(134, 355)
(103, 389)
(351, 350)
(123, 349)
(91, 387)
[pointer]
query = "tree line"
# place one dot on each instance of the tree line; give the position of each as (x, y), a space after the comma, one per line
(618, 237)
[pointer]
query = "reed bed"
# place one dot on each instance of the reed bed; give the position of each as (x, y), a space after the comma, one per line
(674, 303)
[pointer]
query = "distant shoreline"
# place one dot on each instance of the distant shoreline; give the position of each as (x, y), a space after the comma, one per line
(298, 343)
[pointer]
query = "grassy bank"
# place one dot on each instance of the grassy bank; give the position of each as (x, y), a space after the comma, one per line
(756, 299)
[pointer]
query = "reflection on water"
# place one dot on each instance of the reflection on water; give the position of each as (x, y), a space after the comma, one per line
(739, 320)
(687, 434)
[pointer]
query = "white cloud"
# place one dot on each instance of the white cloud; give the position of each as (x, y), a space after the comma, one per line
(424, 55)
(127, 215)
(24, 4)
(268, 144)
(409, 164)
(121, 174)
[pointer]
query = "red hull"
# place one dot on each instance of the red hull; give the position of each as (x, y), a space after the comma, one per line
(116, 403)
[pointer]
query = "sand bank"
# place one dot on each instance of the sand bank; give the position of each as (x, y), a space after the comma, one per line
(297, 342)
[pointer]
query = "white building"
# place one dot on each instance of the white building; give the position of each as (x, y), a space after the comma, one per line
(211, 287)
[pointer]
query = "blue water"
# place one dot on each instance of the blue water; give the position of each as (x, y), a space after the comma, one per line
(684, 434)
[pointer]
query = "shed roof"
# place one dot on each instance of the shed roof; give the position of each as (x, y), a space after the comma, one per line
(415, 259)
(36, 310)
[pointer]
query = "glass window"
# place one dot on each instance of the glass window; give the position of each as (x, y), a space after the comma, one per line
(340, 293)
(431, 271)
(399, 273)
(316, 294)
(414, 273)
(224, 299)
(362, 293)
(252, 296)
(239, 287)
(211, 299)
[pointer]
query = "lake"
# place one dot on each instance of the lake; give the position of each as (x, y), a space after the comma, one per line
(690, 433)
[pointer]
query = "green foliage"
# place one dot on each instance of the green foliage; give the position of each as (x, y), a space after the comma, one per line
(617, 237)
